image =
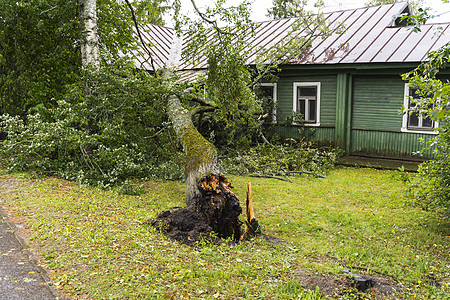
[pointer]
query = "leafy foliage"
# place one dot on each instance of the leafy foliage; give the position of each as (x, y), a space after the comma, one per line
(234, 121)
(431, 187)
(116, 27)
(39, 52)
(40, 46)
(119, 132)
(282, 159)
(286, 8)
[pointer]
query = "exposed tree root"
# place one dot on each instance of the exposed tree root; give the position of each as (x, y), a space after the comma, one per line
(215, 210)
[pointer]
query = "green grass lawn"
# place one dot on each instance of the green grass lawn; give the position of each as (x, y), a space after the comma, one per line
(97, 245)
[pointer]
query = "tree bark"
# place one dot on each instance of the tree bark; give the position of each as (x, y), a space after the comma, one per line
(211, 206)
(201, 155)
(89, 43)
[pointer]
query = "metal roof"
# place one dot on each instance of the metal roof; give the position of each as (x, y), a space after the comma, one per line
(369, 36)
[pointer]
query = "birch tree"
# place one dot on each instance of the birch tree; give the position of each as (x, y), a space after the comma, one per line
(89, 42)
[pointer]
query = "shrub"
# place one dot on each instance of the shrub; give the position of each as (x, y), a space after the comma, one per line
(281, 159)
(431, 187)
(118, 132)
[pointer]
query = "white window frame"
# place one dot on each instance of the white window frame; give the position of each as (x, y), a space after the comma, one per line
(294, 102)
(275, 99)
(406, 114)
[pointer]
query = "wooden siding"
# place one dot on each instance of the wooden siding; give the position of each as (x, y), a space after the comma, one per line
(323, 135)
(327, 97)
(359, 112)
(377, 101)
(385, 143)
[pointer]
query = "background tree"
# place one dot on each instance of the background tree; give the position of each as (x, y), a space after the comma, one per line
(39, 53)
(415, 5)
(431, 187)
(286, 8)
(40, 44)
(89, 42)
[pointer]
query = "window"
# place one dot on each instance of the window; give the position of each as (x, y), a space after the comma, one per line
(307, 101)
(413, 120)
(268, 93)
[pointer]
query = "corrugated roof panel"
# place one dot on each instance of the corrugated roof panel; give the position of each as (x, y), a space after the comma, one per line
(429, 38)
(367, 38)
(361, 28)
(379, 42)
(156, 35)
(331, 44)
(391, 46)
(404, 49)
(157, 43)
(201, 62)
(269, 38)
(334, 20)
(443, 39)
(370, 30)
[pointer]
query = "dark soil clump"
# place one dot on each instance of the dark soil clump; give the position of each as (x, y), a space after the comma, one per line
(215, 213)
(332, 285)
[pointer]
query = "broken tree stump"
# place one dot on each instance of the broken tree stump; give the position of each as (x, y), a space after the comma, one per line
(252, 227)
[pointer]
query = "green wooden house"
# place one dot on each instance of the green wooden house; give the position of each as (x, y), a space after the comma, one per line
(347, 87)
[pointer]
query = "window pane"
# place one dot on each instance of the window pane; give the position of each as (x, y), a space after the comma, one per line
(312, 110)
(413, 120)
(307, 91)
(301, 107)
(427, 122)
(267, 92)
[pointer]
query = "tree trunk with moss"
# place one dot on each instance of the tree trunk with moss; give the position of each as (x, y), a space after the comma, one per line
(212, 208)
(201, 155)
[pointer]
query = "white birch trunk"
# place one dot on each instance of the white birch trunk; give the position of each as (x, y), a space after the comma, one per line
(89, 43)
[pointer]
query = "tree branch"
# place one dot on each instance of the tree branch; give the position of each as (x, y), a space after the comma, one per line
(200, 109)
(305, 172)
(209, 21)
(202, 101)
(136, 24)
(154, 135)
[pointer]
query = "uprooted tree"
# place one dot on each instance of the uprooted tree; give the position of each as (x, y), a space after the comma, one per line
(231, 98)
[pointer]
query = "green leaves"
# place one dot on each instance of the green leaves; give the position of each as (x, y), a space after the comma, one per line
(281, 160)
(118, 132)
(40, 46)
(38, 42)
(431, 188)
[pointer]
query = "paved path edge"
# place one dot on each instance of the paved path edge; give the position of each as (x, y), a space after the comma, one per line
(30, 255)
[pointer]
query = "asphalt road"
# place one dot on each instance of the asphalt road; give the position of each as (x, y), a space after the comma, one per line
(20, 277)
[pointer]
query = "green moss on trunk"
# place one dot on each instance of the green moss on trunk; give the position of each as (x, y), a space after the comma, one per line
(199, 151)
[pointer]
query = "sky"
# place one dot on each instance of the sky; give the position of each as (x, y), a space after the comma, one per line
(259, 7)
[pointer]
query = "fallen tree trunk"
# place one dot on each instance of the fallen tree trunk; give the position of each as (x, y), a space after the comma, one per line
(201, 155)
(211, 206)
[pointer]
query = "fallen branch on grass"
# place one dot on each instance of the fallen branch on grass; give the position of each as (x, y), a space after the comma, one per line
(306, 172)
(269, 176)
